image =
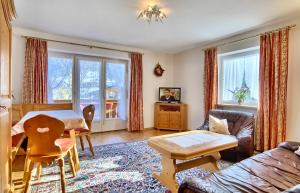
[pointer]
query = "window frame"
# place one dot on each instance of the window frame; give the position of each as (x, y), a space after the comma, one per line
(75, 78)
(231, 55)
(63, 55)
(126, 86)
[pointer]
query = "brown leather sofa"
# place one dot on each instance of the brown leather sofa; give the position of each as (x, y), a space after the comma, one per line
(241, 125)
(273, 171)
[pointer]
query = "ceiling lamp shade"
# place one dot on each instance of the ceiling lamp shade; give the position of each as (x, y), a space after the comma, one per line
(152, 13)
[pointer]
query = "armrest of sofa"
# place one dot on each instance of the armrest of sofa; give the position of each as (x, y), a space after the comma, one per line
(295, 189)
(245, 141)
(197, 185)
(290, 145)
(204, 126)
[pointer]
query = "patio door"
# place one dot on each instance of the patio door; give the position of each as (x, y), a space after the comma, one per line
(115, 95)
(103, 83)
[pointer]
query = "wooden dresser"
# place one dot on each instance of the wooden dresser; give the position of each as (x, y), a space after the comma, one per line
(170, 116)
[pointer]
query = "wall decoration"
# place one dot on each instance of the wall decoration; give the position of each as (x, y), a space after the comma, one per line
(158, 70)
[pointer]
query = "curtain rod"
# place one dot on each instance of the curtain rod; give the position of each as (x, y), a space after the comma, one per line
(249, 37)
(78, 44)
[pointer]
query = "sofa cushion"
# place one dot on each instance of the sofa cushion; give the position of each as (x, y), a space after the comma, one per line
(218, 125)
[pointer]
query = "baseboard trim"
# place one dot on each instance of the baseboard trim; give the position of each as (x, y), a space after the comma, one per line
(147, 128)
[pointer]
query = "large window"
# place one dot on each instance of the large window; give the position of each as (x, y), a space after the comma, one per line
(238, 75)
(60, 68)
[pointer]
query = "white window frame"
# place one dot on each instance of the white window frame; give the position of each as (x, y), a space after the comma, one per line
(126, 87)
(64, 55)
(229, 55)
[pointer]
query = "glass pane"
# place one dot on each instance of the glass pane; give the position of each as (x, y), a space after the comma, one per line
(89, 85)
(115, 103)
(59, 79)
(240, 72)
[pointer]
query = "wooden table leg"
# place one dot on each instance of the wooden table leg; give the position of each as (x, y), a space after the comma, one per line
(74, 151)
(215, 161)
(167, 175)
(75, 158)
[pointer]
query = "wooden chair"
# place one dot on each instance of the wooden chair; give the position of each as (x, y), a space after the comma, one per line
(88, 114)
(45, 145)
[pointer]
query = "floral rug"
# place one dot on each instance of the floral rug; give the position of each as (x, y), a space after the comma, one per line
(116, 168)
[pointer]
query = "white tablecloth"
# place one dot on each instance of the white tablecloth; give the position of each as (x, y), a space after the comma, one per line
(70, 118)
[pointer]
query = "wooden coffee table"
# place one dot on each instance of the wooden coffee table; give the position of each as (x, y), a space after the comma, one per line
(194, 148)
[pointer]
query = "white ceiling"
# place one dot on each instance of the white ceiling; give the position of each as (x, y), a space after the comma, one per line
(189, 22)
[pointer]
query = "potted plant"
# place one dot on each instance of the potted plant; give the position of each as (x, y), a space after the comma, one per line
(241, 94)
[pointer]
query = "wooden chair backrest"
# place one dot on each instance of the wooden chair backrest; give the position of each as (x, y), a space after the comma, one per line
(88, 114)
(42, 131)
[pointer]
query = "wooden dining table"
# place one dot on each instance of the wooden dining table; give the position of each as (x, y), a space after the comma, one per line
(70, 118)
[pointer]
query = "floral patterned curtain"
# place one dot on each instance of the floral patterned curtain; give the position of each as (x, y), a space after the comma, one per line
(210, 79)
(136, 121)
(273, 72)
(35, 75)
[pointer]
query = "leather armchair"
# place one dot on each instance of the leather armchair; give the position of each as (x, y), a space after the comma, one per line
(241, 125)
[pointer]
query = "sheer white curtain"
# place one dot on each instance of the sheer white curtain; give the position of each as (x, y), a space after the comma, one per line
(234, 68)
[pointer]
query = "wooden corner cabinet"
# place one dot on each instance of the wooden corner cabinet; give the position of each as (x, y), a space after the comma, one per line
(170, 116)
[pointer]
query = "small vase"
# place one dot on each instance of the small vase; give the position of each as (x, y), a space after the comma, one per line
(240, 101)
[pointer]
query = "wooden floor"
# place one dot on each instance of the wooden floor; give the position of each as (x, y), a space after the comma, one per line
(124, 136)
(104, 138)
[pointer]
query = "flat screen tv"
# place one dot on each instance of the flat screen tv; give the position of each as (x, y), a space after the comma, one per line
(170, 94)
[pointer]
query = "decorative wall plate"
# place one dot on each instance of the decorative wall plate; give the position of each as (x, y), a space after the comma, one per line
(158, 70)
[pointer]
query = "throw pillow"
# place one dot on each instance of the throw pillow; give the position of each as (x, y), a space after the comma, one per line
(218, 125)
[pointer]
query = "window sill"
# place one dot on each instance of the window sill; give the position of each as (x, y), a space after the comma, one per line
(237, 106)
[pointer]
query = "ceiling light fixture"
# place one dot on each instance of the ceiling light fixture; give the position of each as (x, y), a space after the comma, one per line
(152, 12)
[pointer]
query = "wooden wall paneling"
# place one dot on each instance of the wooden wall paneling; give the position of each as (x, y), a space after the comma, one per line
(58, 106)
(19, 110)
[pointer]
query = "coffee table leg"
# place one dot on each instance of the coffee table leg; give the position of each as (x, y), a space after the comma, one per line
(167, 175)
(214, 164)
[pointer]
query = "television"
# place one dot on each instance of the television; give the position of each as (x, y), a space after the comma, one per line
(169, 94)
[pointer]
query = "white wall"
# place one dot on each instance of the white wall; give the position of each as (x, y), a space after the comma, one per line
(189, 66)
(151, 83)
(293, 107)
(150, 59)
(188, 74)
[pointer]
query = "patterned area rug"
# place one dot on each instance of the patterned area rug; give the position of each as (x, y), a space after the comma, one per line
(122, 167)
